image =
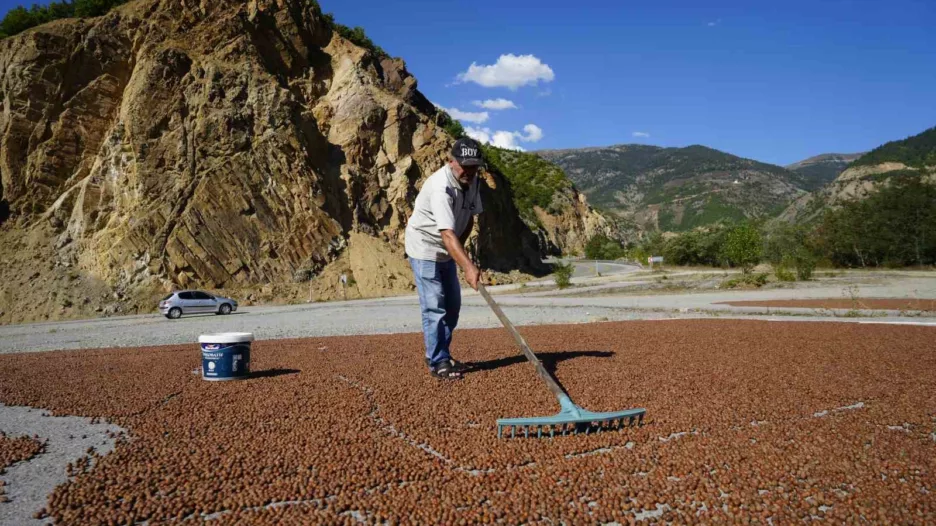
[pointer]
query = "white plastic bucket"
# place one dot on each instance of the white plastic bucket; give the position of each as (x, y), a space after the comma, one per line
(225, 356)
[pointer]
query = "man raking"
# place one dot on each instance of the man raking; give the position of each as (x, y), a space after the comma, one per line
(443, 217)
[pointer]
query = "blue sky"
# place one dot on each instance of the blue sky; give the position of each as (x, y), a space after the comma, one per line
(773, 81)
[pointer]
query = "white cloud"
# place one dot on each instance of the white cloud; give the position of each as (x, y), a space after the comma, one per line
(511, 71)
(715, 23)
(466, 116)
(479, 134)
(533, 133)
(496, 104)
(640, 134)
(506, 139)
(545, 93)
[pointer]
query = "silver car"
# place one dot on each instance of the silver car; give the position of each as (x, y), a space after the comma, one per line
(193, 302)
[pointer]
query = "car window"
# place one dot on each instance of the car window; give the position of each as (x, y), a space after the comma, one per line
(167, 297)
(203, 296)
(186, 296)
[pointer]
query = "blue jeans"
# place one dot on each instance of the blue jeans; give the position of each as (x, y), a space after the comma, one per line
(440, 302)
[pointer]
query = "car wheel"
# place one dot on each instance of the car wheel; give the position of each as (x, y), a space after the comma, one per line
(225, 309)
(174, 313)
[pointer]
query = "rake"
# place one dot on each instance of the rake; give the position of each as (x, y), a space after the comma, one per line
(571, 418)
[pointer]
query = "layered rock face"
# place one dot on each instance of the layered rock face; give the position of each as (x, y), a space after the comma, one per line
(178, 143)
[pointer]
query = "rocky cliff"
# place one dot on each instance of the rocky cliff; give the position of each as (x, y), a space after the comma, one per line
(218, 144)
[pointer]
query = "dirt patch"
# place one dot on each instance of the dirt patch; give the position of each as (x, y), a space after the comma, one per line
(745, 419)
(840, 303)
(13, 450)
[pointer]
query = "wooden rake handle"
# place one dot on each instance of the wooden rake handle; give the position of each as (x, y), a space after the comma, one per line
(540, 370)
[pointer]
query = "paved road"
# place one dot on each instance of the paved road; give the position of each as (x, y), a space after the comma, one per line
(589, 268)
(401, 314)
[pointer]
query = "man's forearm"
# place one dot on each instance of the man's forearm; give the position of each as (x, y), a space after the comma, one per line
(455, 249)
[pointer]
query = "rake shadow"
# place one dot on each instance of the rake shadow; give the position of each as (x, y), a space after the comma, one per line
(549, 359)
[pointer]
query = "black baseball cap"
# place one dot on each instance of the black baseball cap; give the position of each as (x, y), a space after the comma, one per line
(467, 152)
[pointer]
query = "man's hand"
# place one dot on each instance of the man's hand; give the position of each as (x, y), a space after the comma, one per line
(473, 276)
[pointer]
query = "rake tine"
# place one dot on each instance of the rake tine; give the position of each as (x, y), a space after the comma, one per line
(499, 431)
(552, 431)
(512, 431)
(526, 431)
(539, 431)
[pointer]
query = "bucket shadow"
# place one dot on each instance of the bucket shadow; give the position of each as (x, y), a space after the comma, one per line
(270, 373)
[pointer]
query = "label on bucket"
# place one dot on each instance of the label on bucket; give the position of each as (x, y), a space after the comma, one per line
(225, 361)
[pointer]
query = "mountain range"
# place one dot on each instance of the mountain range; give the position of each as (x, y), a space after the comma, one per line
(820, 170)
(679, 188)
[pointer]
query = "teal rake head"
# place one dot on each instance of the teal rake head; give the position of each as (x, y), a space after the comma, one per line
(572, 419)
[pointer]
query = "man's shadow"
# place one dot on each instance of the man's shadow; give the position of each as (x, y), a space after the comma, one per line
(549, 360)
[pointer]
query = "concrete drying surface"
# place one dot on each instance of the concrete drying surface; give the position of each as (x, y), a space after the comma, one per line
(13, 450)
(64, 440)
(770, 421)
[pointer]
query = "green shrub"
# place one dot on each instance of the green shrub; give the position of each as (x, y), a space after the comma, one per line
(745, 281)
(359, 37)
(783, 272)
(743, 247)
(20, 19)
(88, 8)
(601, 246)
(450, 125)
(702, 247)
(805, 263)
(638, 254)
(562, 273)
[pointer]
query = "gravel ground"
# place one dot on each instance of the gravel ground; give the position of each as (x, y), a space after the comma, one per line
(401, 314)
(746, 420)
